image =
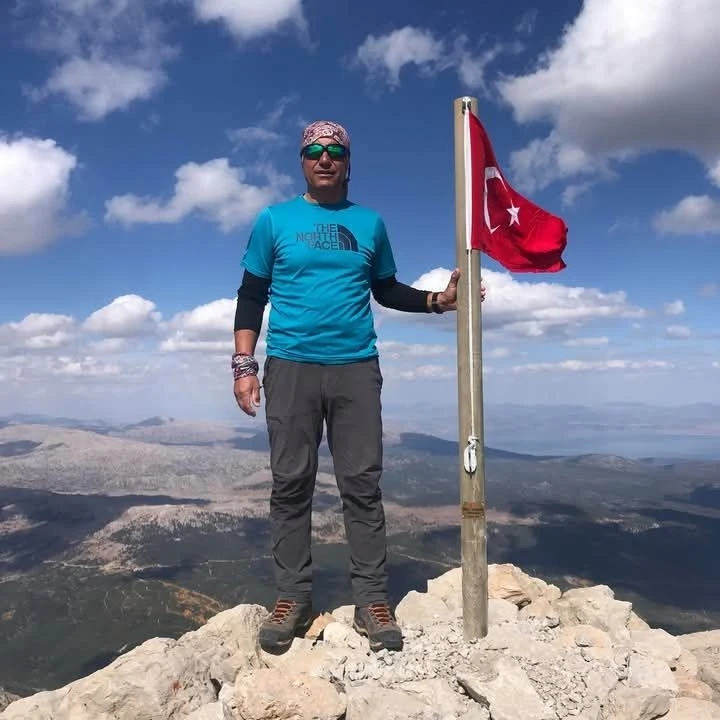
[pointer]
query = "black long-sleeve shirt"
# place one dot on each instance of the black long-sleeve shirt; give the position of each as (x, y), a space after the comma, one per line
(254, 292)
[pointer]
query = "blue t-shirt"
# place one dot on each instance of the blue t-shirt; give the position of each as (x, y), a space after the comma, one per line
(321, 261)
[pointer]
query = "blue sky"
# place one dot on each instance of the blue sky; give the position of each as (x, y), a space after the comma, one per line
(138, 140)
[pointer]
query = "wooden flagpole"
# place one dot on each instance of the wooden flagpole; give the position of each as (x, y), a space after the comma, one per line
(473, 528)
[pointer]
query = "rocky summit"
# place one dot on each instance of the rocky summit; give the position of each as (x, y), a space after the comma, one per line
(547, 655)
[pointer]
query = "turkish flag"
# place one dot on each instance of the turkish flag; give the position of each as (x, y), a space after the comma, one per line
(504, 225)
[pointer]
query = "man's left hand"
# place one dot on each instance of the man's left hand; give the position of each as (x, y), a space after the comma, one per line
(447, 299)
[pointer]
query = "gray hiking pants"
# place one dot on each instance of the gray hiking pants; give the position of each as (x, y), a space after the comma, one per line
(299, 398)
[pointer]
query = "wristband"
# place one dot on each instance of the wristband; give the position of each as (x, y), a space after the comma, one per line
(435, 306)
(243, 365)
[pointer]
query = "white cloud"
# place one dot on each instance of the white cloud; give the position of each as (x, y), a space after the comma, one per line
(248, 19)
(215, 189)
(588, 341)
(34, 192)
(676, 307)
(624, 80)
(99, 87)
(385, 56)
(425, 372)
(207, 328)
(126, 316)
(263, 137)
(83, 367)
(693, 215)
(111, 53)
(678, 332)
(37, 331)
(593, 366)
(396, 350)
(528, 309)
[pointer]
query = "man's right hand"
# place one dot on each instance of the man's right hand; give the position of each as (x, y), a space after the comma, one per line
(247, 393)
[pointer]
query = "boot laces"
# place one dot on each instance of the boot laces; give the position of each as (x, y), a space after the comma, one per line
(380, 612)
(281, 611)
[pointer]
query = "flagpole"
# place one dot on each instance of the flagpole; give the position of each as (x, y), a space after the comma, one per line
(473, 530)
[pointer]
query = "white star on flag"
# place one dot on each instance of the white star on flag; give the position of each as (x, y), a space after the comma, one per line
(514, 212)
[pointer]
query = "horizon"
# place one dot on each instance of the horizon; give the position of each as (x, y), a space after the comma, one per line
(132, 165)
(635, 431)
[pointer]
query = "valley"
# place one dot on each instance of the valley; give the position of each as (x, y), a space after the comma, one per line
(111, 536)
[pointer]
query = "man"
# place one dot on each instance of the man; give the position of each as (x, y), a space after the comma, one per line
(318, 257)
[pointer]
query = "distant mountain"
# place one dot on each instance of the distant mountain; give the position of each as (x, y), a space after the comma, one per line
(149, 422)
(420, 442)
(54, 421)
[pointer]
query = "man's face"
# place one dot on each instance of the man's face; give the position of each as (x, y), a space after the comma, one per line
(328, 170)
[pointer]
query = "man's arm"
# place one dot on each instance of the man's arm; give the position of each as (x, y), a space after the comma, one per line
(252, 298)
(391, 293)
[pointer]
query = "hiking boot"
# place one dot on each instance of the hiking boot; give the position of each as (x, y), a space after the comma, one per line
(288, 620)
(377, 623)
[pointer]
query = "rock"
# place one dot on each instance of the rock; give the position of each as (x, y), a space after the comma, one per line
(319, 625)
(340, 635)
(635, 622)
(268, 695)
(687, 662)
(366, 702)
(658, 644)
(508, 582)
(213, 711)
(506, 691)
(437, 693)
(595, 606)
(6, 698)
(598, 643)
(690, 686)
(627, 703)
(649, 672)
(344, 614)
(158, 679)
(501, 611)
(689, 709)
(582, 655)
(705, 647)
(542, 610)
(420, 610)
(227, 643)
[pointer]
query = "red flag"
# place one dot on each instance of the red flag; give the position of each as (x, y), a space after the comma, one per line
(503, 224)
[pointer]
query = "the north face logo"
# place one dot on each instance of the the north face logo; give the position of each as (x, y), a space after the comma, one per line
(328, 236)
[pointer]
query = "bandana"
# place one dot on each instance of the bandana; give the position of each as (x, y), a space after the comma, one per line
(325, 128)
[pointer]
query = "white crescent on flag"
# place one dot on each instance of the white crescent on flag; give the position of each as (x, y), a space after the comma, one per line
(491, 173)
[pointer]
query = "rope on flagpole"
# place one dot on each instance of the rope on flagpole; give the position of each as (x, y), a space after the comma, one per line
(470, 453)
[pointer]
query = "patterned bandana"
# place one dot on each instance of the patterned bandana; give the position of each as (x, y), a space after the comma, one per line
(325, 128)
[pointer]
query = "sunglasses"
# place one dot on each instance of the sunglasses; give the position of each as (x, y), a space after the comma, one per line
(316, 150)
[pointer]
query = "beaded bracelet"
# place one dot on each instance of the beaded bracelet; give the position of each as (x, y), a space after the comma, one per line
(243, 365)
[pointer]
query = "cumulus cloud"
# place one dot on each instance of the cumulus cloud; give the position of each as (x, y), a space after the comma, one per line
(623, 81)
(693, 215)
(249, 19)
(125, 316)
(37, 331)
(206, 328)
(678, 332)
(34, 192)
(385, 56)
(575, 366)
(214, 189)
(676, 307)
(531, 309)
(588, 341)
(111, 53)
